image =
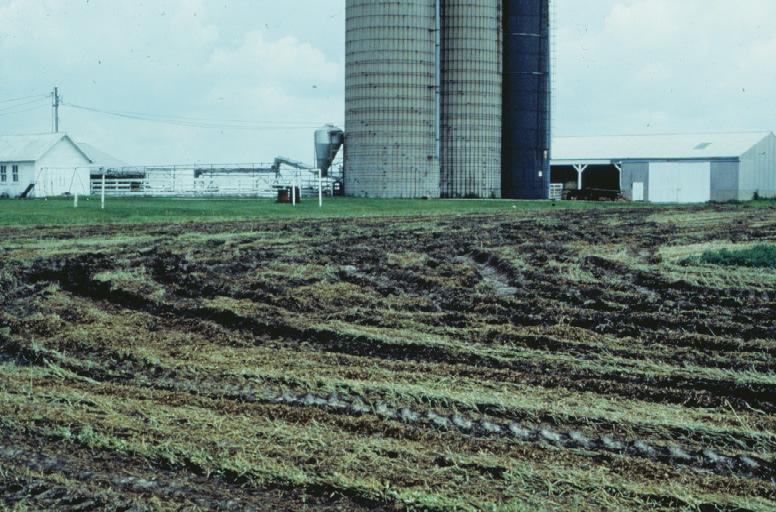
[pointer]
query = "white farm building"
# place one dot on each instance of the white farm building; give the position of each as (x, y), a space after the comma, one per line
(44, 165)
(688, 168)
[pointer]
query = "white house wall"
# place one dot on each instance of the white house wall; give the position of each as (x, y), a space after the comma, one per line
(26, 176)
(758, 170)
(679, 182)
(62, 170)
(57, 181)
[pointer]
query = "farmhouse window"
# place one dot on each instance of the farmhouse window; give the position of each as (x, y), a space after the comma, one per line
(3, 174)
(15, 173)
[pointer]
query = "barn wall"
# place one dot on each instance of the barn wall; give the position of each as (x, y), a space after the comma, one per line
(635, 172)
(680, 182)
(724, 181)
(758, 170)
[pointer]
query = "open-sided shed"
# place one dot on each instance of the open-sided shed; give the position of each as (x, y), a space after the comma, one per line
(686, 168)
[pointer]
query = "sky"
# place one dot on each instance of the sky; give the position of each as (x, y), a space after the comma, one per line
(621, 67)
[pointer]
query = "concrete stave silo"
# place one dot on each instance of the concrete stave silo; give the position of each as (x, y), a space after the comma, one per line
(526, 135)
(390, 97)
(471, 113)
(451, 105)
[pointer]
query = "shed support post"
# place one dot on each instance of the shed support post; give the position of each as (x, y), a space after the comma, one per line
(618, 166)
(580, 171)
(320, 188)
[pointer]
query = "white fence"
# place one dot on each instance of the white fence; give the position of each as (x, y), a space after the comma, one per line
(556, 191)
(249, 180)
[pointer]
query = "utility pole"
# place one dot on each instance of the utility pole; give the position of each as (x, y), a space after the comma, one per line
(55, 108)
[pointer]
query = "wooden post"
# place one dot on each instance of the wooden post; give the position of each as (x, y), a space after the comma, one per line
(296, 187)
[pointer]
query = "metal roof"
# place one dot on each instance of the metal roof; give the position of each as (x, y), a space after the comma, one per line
(100, 158)
(29, 148)
(614, 148)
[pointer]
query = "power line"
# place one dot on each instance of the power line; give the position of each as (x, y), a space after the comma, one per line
(39, 107)
(12, 107)
(192, 122)
(204, 120)
(24, 98)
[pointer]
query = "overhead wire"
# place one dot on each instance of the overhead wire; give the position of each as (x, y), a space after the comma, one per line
(193, 122)
(39, 107)
(12, 107)
(11, 100)
(181, 118)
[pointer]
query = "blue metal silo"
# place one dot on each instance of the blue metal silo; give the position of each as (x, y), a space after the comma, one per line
(526, 100)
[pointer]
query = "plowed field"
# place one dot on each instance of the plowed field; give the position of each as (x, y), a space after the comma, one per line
(519, 361)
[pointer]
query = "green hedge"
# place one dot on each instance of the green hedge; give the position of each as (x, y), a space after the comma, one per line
(760, 256)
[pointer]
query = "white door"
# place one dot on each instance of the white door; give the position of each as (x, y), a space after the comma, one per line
(680, 182)
(637, 193)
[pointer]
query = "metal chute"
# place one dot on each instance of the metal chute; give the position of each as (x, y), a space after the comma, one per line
(328, 141)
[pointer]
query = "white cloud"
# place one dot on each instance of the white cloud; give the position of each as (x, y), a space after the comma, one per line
(284, 79)
(665, 65)
(185, 58)
(624, 66)
(283, 60)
